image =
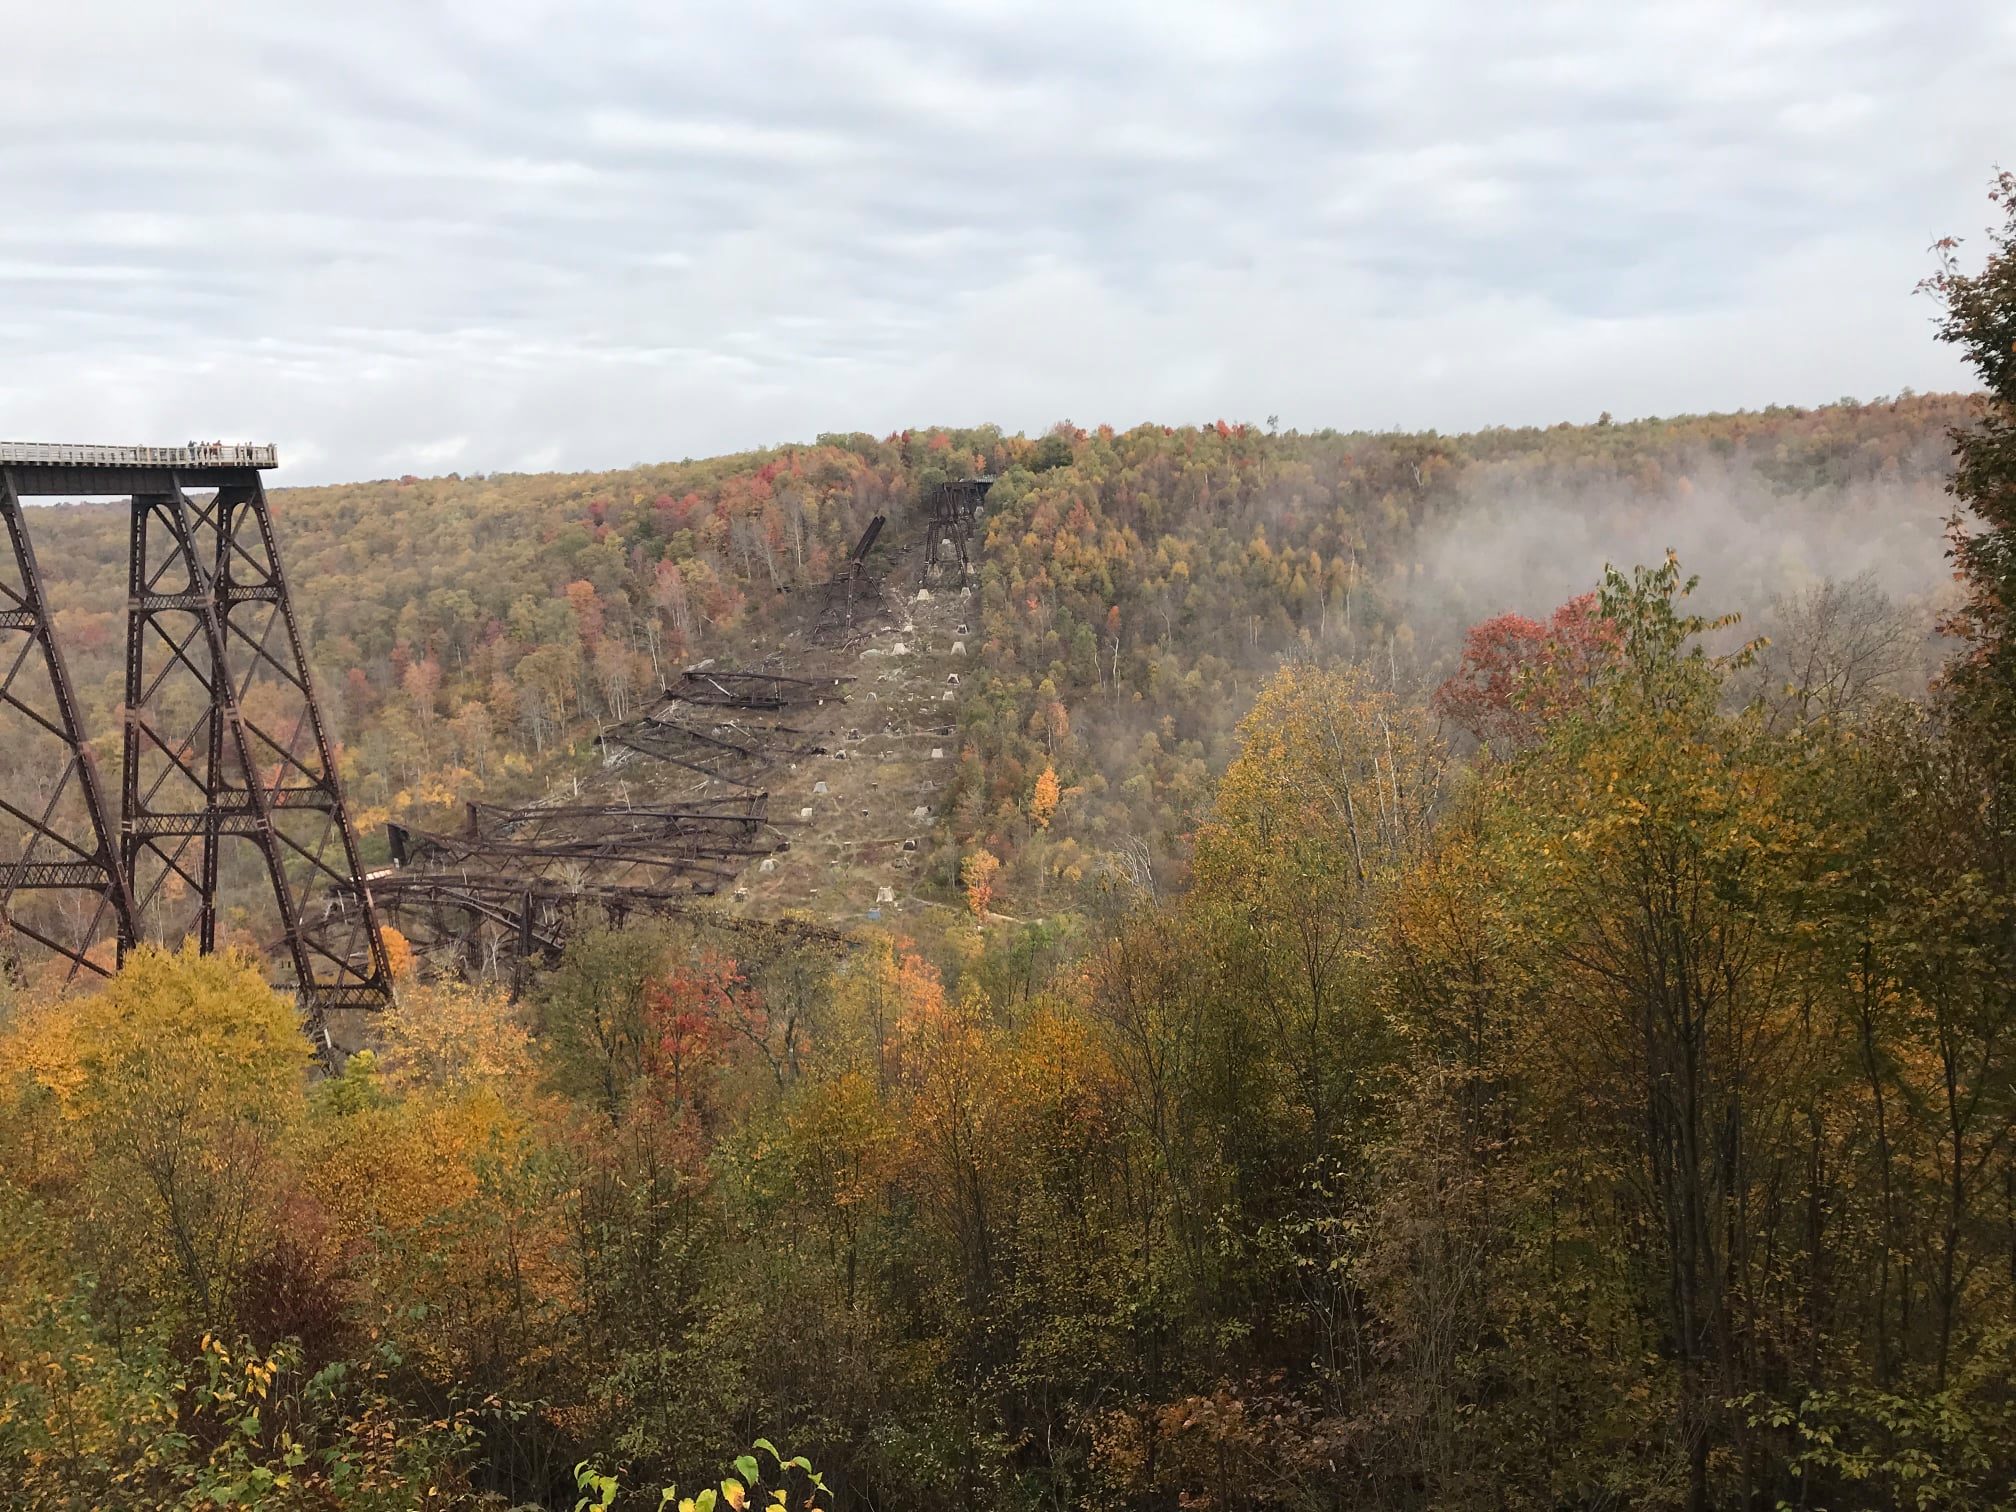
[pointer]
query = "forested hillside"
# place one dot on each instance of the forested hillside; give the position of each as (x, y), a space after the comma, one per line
(470, 634)
(1135, 594)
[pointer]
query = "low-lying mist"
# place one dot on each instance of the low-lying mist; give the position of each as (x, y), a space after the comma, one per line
(1515, 547)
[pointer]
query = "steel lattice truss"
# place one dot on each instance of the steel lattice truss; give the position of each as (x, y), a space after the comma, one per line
(61, 884)
(727, 726)
(742, 814)
(224, 742)
(655, 848)
(950, 512)
(754, 691)
(507, 891)
(853, 594)
(228, 778)
(712, 752)
(490, 925)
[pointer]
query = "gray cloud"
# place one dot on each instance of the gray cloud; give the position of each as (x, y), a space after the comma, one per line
(506, 233)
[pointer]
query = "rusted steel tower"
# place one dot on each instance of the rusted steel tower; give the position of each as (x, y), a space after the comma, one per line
(951, 510)
(851, 583)
(228, 774)
(61, 882)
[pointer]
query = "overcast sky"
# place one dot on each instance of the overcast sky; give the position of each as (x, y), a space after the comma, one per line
(506, 234)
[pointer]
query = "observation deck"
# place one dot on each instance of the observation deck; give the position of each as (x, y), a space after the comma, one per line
(50, 468)
(200, 454)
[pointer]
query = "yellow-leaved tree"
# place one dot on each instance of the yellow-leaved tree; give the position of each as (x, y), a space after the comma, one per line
(425, 1170)
(398, 953)
(166, 1099)
(976, 875)
(1043, 800)
(1330, 799)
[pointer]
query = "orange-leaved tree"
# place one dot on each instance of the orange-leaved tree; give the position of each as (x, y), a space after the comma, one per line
(1044, 797)
(976, 875)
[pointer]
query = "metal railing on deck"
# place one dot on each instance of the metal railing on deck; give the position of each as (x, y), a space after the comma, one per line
(196, 454)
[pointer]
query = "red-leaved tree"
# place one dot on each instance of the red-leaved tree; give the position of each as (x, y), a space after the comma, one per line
(1518, 673)
(690, 1014)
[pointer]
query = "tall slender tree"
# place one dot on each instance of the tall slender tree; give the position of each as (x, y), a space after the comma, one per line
(1980, 319)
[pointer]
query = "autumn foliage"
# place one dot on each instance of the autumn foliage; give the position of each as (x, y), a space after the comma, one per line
(398, 953)
(1517, 673)
(976, 876)
(1043, 798)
